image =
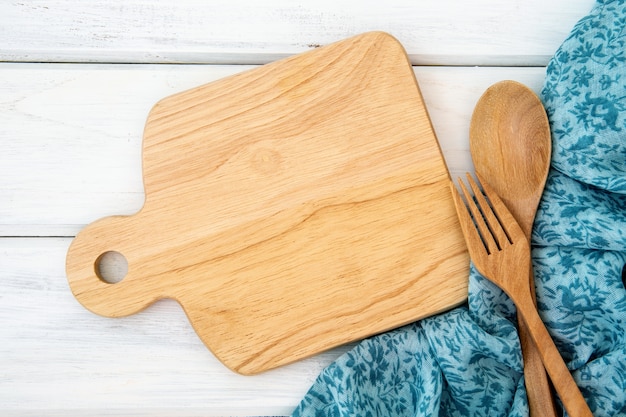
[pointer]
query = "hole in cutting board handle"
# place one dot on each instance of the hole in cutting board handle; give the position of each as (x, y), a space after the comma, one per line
(111, 267)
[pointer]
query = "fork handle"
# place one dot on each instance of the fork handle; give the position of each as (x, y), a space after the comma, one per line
(562, 379)
(540, 396)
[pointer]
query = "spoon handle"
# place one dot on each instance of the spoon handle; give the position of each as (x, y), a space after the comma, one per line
(562, 379)
(540, 399)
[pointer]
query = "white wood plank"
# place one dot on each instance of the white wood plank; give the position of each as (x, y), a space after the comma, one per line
(58, 359)
(70, 146)
(435, 32)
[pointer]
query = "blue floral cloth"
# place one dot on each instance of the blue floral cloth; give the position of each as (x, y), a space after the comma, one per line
(467, 362)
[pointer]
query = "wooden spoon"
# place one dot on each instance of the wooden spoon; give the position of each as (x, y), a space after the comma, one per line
(510, 147)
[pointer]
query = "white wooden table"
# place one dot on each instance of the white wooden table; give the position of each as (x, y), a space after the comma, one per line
(77, 79)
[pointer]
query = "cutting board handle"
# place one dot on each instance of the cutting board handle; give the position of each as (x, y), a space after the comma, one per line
(128, 296)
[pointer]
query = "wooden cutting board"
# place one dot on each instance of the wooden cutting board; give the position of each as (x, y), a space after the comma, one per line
(289, 209)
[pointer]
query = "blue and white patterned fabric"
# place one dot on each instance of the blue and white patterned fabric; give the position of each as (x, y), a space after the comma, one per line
(467, 362)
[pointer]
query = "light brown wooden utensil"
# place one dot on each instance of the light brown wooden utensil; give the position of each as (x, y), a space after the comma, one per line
(510, 146)
(500, 251)
(289, 209)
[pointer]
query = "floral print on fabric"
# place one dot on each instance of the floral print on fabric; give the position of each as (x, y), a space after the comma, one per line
(393, 374)
(585, 97)
(580, 229)
(467, 362)
(574, 214)
(446, 365)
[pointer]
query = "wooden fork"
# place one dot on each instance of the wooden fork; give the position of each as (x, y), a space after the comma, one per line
(500, 251)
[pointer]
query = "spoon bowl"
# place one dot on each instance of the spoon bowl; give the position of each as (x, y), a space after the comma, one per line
(511, 147)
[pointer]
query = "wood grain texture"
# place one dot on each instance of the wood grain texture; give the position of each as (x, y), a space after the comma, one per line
(289, 209)
(434, 32)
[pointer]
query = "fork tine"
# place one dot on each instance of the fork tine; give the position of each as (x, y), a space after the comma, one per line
(470, 233)
(507, 221)
(497, 231)
(478, 219)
